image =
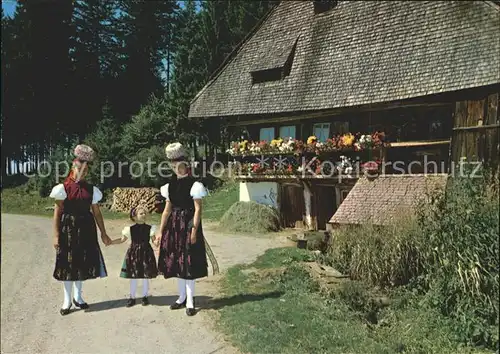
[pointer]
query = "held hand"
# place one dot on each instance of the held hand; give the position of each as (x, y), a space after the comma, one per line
(55, 241)
(193, 236)
(157, 239)
(106, 240)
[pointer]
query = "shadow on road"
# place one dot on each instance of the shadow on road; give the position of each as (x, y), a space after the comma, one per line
(201, 302)
(219, 303)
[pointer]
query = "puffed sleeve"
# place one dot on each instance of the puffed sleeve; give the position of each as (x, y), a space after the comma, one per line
(58, 192)
(126, 231)
(152, 232)
(96, 198)
(164, 191)
(198, 190)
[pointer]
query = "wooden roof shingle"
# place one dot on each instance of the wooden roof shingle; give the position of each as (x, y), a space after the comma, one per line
(383, 199)
(360, 52)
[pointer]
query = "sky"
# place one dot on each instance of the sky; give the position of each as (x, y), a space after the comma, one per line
(9, 6)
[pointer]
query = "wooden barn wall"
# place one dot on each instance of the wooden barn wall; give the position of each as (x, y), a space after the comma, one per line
(476, 131)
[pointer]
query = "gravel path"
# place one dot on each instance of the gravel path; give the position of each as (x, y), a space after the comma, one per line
(31, 298)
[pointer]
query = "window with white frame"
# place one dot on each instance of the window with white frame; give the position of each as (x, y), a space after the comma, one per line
(321, 131)
(266, 134)
(287, 132)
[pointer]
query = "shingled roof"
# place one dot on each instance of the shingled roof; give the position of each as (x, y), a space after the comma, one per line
(383, 199)
(360, 52)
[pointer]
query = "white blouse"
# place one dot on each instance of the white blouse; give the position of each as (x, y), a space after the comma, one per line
(126, 231)
(59, 193)
(198, 191)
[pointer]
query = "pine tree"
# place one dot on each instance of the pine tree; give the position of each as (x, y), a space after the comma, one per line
(188, 75)
(95, 62)
(145, 31)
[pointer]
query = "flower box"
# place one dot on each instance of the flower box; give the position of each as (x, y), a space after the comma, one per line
(340, 143)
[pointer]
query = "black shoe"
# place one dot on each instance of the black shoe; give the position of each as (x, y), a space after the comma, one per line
(190, 311)
(176, 305)
(130, 302)
(82, 306)
(65, 312)
(145, 301)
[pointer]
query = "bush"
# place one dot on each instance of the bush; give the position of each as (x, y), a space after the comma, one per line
(385, 256)
(449, 252)
(250, 217)
(462, 256)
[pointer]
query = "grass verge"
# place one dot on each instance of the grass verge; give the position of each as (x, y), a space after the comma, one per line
(281, 310)
(22, 200)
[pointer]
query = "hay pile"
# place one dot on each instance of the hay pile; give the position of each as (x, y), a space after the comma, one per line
(250, 217)
(125, 199)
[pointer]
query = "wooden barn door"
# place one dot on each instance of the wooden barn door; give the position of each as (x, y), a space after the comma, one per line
(292, 207)
(325, 205)
(475, 132)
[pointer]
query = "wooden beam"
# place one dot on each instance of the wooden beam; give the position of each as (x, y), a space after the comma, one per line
(479, 127)
(307, 203)
(418, 143)
(329, 113)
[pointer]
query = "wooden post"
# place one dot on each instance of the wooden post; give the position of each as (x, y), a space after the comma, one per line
(307, 203)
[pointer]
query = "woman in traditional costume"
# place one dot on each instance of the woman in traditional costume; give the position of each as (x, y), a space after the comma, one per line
(183, 247)
(76, 213)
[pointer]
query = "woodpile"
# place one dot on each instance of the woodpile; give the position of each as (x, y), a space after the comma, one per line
(124, 199)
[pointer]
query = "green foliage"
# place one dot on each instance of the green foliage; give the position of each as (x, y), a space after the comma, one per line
(220, 200)
(152, 158)
(449, 252)
(274, 306)
(106, 140)
(147, 128)
(250, 217)
(385, 256)
(462, 253)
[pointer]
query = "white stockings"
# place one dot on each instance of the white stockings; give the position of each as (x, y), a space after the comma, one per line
(76, 286)
(190, 294)
(133, 288)
(181, 284)
(67, 294)
(186, 292)
(77, 290)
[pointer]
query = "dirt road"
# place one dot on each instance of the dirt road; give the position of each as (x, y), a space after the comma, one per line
(31, 298)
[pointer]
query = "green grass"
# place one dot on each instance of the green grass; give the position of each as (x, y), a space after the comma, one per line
(273, 306)
(19, 200)
(220, 200)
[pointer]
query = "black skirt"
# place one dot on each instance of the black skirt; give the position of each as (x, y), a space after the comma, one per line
(139, 262)
(178, 257)
(79, 256)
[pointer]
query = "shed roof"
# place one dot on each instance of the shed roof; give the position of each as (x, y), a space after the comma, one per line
(358, 53)
(383, 199)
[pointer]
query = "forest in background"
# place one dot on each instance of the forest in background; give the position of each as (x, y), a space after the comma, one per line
(116, 74)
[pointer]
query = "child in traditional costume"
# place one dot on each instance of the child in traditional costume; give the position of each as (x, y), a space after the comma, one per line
(140, 261)
(76, 213)
(183, 247)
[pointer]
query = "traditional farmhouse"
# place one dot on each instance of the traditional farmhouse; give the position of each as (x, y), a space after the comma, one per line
(399, 87)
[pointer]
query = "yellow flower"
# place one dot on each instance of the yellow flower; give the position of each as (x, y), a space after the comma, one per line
(243, 145)
(276, 142)
(347, 139)
(311, 139)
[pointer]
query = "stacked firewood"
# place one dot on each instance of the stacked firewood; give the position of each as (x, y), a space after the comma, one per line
(124, 199)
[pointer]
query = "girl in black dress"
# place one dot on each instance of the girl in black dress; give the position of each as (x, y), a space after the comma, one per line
(140, 261)
(76, 213)
(183, 247)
